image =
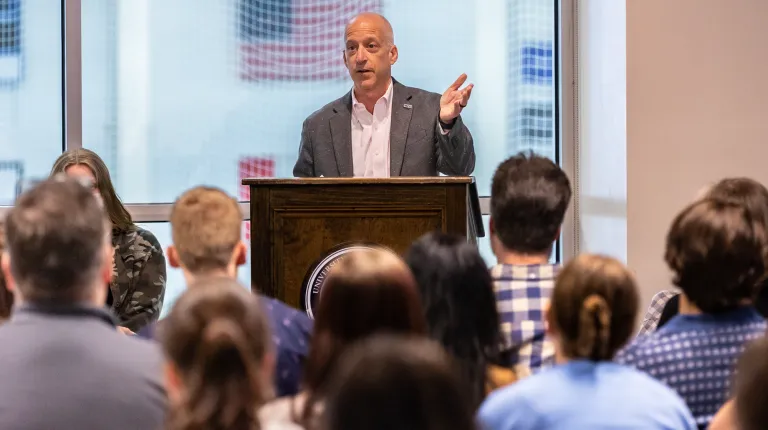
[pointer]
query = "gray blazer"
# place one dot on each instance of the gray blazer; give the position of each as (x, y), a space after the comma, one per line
(416, 145)
(68, 367)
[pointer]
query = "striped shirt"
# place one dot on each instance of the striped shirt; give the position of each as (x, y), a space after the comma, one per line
(696, 355)
(522, 296)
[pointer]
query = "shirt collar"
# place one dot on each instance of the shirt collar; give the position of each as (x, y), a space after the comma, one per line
(386, 97)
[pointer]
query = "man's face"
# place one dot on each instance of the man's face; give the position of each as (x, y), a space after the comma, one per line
(369, 53)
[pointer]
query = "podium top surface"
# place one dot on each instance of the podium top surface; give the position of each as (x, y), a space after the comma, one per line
(400, 180)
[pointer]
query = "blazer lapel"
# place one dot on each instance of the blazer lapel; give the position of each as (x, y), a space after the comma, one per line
(398, 130)
(341, 135)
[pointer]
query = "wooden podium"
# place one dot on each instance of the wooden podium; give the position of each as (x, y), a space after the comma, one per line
(296, 222)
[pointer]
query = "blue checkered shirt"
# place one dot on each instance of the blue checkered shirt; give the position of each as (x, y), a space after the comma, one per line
(696, 355)
(522, 296)
(653, 314)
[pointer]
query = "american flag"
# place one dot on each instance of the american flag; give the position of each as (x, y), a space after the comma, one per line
(296, 40)
(253, 167)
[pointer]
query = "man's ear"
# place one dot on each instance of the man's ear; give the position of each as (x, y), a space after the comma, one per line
(173, 384)
(393, 55)
(5, 269)
(241, 253)
(173, 257)
(491, 227)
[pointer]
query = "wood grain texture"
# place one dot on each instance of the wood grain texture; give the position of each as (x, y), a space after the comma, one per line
(293, 225)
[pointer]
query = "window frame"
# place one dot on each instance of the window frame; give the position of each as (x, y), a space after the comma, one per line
(564, 74)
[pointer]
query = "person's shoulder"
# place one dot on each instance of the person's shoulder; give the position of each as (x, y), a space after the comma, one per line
(285, 318)
(331, 108)
(650, 391)
(417, 93)
(513, 406)
(147, 239)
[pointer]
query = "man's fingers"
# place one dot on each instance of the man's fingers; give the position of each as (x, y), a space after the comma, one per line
(467, 92)
(459, 82)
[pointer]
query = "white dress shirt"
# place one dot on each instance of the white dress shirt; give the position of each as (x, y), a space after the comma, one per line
(370, 137)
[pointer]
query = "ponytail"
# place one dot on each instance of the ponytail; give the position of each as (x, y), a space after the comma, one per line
(224, 385)
(594, 329)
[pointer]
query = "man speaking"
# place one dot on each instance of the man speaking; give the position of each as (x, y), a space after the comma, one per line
(382, 128)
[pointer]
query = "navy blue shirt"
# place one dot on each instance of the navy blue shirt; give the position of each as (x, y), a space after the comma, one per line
(291, 332)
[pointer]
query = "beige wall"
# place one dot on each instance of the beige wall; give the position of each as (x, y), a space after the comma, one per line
(697, 110)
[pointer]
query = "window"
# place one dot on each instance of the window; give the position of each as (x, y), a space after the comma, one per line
(175, 96)
(30, 93)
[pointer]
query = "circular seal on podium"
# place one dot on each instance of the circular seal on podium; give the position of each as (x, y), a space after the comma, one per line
(318, 273)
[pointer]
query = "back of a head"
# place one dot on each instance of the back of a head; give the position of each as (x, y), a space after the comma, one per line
(367, 292)
(529, 198)
(751, 380)
(593, 307)
(217, 339)
(389, 383)
(459, 303)
(205, 228)
(56, 238)
(715, 249)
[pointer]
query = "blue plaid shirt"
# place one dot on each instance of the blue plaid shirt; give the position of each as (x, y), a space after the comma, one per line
(522, 295)
(695, 355)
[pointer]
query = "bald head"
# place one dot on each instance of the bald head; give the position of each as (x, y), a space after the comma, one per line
(369, 21)
(369, 54)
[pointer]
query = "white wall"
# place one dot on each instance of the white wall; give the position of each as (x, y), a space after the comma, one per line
(696, 112)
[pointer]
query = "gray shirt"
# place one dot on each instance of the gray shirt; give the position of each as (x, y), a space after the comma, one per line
(69, 368)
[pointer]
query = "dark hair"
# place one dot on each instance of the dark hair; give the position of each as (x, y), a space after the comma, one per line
(593, 307)
(56, 236)
(529, 197)
(6, 296)
(751, 379)
(217, 337)
(715, 250)
(388, 383)
(366, 292)
(118, 215)
(459, 304)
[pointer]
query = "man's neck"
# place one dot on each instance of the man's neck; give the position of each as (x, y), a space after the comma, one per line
(686, 307)
(190, 278)
(369, 97)
(517, 259)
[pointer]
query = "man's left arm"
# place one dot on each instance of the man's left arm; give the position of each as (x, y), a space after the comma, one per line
(147, 300)
(454, 146)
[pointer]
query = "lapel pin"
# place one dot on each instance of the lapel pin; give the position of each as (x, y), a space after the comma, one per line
(407, 106)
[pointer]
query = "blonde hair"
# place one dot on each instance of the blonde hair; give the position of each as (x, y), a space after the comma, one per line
(205, 227)
(593, 307)
(118, 214)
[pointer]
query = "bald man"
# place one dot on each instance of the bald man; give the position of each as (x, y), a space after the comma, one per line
(382, 128)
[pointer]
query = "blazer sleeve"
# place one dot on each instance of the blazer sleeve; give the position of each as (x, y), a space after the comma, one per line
(455, 150)
(305, 164)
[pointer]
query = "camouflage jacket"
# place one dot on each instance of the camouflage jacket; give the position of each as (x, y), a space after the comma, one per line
(138, 277)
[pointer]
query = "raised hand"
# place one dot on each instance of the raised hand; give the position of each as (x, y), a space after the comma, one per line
(454, 99)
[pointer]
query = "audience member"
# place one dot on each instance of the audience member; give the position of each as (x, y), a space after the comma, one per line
(137, 286)
(743, 191)
(748, 409)
(716, 251)
(6, 295)
(65, 365)
(217, 343)
(592, 315)
(388, 383)
(529, 197)
(367, 292)
(206, 226)
(460, 308)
